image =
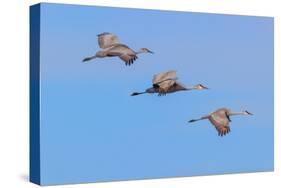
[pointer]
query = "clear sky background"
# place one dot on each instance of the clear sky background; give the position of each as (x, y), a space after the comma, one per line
(93, 130)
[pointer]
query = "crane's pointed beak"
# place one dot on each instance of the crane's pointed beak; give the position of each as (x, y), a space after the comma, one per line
(149, 51)
(203, 87)
(249, 113)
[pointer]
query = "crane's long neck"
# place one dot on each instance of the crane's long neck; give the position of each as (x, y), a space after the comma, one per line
(235, 113)
(139, 52)
(190, 88)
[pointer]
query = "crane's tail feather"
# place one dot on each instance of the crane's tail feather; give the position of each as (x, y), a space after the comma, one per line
(88, 58)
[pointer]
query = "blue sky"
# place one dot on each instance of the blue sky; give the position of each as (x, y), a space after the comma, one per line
(92, 130)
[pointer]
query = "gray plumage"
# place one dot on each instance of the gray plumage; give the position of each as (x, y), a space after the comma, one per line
(111, 47)
(221, 119)
(166, 82)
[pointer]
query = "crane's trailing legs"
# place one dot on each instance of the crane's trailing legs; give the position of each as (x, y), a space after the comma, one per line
(89, 58)
(137, 93)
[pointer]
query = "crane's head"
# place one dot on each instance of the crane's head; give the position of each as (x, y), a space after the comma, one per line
(245, 112)
(145, 50)
(200, 87)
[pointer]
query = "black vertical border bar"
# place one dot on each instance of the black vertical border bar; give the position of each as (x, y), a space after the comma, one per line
(34, 95)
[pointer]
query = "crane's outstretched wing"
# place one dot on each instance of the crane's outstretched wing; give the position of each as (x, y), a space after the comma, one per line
(123, 52)
(169, 86)
(221, 122)
(164, 86)
(106, 40)
(158, 78)
(223, 130)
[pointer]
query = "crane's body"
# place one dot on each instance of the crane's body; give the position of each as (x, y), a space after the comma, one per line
(221, 119)
(164, 83)
(111, 47)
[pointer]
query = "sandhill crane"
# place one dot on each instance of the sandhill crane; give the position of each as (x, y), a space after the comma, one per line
(112, 47)
(221, 118)
(166, 82)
